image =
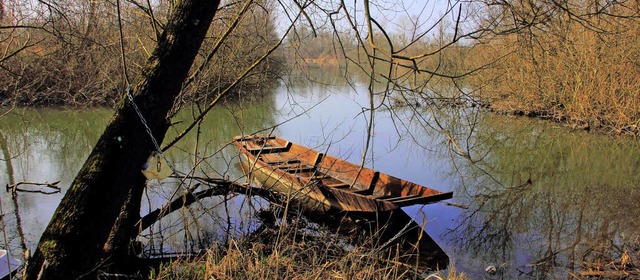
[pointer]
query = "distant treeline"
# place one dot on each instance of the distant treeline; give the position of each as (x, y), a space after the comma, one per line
(567, 61)
(68, 53)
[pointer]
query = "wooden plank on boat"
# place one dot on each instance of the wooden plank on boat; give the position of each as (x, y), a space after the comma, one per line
(297, 169)
(372, 185)
(338, 185)
(254, 137)
(278, 163)
(318, 177)
(374, 180)
(398, 198)
(270, 149)
(290, 165)
(363, 192)
(382, 197)
(406, 201)
(318, 159)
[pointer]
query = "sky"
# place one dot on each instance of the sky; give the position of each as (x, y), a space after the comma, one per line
(393, 15)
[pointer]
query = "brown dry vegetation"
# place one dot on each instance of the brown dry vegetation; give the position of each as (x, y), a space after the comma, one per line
(611, 261)
(295, 251)
(579, 68)
(68, 52)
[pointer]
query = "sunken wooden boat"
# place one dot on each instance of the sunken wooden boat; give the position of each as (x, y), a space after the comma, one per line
(325, 182)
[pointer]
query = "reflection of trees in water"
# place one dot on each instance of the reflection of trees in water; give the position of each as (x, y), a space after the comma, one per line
(207, 151)
(43, 145)
(10, 225)
(328, 75)
(542, 199)
(557, 198)
(51, 145)
(60, 137)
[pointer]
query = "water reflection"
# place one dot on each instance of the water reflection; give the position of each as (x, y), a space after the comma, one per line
(40, 146)
(551, 198)
(47, 145)
(540, 197)
(207, 151)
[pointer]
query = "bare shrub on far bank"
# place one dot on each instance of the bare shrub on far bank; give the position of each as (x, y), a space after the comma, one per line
(567, 62)
(68, 53)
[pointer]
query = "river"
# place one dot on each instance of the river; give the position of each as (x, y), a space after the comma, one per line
(542, 199)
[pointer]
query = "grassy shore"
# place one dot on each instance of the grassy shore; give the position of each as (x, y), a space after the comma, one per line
(299, 250)
(294, 260)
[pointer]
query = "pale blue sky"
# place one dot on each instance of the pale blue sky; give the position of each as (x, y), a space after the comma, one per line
(393, 15)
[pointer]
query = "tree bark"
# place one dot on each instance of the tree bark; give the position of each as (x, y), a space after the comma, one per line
(72, 245)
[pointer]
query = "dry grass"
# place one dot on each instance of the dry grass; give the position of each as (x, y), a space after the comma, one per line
(297, 252)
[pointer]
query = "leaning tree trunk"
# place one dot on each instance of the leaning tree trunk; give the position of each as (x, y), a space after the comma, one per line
(73, 244)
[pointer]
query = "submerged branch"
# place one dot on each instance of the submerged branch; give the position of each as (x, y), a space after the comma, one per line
(54, 186)
(216, 187)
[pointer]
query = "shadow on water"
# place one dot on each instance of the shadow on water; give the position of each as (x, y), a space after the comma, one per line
(398, 231)
(391, 233)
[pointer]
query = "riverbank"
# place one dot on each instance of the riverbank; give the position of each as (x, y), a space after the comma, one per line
(514, 108)
(599, 126)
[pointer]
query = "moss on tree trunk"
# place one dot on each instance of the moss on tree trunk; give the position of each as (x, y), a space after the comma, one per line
(73, 244)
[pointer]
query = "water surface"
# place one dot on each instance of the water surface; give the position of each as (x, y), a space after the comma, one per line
(540, 198)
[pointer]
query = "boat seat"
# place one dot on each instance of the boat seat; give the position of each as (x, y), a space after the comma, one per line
(269, 149)
(318, 159)
(297, 169)
(290, 165)
(371, 187)
(363, 192)
(254, 137)
(281, 162)
(338, 185)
